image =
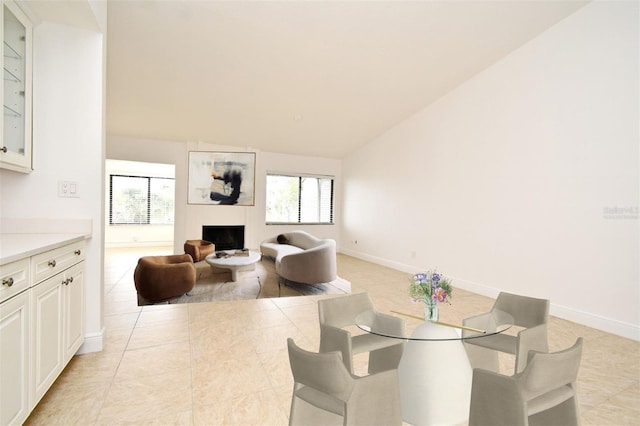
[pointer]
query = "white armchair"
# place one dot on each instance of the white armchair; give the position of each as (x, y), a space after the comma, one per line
(544, 393)
(340, 312)
(322, 383)
(527, 312)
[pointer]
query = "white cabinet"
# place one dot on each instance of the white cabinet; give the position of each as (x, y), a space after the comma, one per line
(16, 61)
(58, 325)
(14, 342)
(57, 312)
(41, 325)
(14, 360)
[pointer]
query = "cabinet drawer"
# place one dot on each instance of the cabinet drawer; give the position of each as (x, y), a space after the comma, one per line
(14, 277)
(47, 264)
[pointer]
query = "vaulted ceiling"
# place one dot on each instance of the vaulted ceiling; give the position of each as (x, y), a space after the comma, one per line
(314, 78)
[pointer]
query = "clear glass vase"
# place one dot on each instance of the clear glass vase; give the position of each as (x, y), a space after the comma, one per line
(430, 310)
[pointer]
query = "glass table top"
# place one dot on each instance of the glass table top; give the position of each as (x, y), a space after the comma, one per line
(373, 323)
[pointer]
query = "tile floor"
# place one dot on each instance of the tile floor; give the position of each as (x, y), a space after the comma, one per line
(225, 363)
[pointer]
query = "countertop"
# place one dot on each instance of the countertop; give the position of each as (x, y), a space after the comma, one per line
(19, 246)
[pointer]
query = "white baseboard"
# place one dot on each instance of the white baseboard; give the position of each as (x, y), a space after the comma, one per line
(92, 343)
(630, 331)
(381, 261)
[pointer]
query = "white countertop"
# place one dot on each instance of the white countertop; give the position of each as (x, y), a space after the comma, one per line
(18, 246)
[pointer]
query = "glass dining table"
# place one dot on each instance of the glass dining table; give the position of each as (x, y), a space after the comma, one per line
(434, 371)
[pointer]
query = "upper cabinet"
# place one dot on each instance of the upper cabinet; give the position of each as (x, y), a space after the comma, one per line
(16, 61)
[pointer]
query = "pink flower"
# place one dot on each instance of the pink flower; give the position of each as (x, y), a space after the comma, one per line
(440, 295)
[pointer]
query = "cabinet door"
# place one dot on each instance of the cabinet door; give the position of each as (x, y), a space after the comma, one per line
(14, 360)
(73, 310)
(47, 341)
(15, 149)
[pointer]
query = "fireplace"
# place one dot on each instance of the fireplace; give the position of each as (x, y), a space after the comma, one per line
(227, 237)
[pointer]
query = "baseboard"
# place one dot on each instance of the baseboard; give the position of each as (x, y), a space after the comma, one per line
(630, 331)
(92, 343)
(380, 261)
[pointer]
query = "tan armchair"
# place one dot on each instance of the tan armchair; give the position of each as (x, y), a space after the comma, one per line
(323, 385)
(527, 312)
(162, 277)
(199, 249)
(544, 393)
(338, 313)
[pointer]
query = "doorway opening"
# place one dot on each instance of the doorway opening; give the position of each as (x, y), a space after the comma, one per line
(140, 204)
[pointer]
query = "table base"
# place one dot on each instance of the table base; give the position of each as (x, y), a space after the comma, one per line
(435, 378)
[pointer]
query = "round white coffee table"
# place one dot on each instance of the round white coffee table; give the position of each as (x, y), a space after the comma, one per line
(234, 263)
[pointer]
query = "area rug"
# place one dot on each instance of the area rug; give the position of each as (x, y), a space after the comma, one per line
(261, 282)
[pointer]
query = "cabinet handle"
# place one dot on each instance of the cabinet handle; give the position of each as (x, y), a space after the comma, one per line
(3, 149)
(8, 282)
(70, 279)
(78, 252)
(52, 263)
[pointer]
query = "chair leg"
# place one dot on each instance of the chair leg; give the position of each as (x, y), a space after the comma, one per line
(292, 411)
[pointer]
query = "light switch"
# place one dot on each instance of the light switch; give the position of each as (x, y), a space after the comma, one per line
(67, 189)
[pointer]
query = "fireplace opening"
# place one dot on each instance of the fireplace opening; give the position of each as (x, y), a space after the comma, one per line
(228, 237)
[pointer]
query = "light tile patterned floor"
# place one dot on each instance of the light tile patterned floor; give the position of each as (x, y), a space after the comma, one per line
(225, 363)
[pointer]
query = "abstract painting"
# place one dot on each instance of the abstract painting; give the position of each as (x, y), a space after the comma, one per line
(221, 178)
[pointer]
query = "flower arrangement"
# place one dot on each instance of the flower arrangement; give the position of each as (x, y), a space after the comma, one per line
(430, 288)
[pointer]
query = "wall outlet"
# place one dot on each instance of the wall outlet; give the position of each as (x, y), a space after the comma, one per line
(68, 189)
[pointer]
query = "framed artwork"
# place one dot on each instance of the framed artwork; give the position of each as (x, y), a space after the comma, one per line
(221, 178)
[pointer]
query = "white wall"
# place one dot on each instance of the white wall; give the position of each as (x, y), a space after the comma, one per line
(190, 217)
(513, 180)
(67, 145)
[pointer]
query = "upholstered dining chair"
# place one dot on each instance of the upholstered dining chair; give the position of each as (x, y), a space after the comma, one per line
(322, 382)
(529, 313)
(337, 314)
(544, 393)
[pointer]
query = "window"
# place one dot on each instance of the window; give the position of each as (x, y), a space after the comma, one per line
(141, 200)
(299, 199)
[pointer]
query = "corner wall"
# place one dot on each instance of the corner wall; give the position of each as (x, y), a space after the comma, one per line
(523, 179)
(68, 89)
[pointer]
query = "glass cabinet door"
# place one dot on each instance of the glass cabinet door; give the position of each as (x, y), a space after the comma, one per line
(15, 150)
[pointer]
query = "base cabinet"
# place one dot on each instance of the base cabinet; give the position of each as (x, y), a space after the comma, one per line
(14, 360)
(41, 328)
